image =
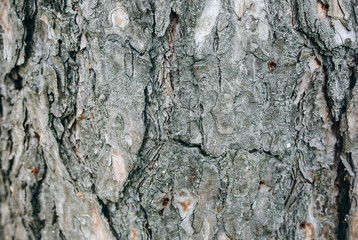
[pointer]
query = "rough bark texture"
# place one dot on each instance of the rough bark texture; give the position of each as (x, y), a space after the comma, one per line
(216, 119)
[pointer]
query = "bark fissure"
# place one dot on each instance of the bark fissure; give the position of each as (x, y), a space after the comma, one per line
(327, 57)
(107, 214)
(342, 180)
(196, 146)
(146, 224)
(38, 224)
(30, 9)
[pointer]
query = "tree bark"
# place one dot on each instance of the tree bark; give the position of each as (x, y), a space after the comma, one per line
(217, 119)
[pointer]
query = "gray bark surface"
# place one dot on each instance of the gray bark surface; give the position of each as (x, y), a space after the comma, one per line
(216, 119)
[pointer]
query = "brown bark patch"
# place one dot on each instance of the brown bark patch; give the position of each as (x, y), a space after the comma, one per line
(355, 228)
(119, 168)
(133, 233)
(272, 65)
(99, 229)
(118, 20)
(317, 63)
(35, 171)
(262, 182)
(165, 202)
(4, 16)
(326, 233)
(185, 205)
(80, 195)
(309, 230)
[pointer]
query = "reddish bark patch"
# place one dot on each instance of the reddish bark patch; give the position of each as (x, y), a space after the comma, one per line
(80, 195)
(118, 20)
(98, 228)
(309, 230)
(37, 136)
(272, 65)
(35, 171)
(174, 18)
(262, 182)
(4, 16)
(322, 8)
(355, 227)
(165, 202)
(133, 233)
(302, 225)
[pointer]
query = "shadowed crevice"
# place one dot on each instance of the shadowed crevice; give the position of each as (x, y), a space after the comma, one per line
(30, 9)
(106, 213)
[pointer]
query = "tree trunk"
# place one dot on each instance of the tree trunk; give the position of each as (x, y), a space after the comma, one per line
(217, 119)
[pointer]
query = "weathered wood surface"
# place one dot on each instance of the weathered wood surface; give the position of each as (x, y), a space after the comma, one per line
(216, 119)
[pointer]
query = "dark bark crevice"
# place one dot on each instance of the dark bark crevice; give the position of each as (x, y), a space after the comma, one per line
(37, 224)
(343, 200)
(174, 21)
(254, 150)
(15, 78)
(61, 235)
(342, 183)
(146, 226)
(30, 9)
(153, 138)
(197, 146)
(215, 47)
(107, 214)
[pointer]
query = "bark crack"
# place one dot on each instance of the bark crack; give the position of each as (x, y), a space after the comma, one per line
(38, 224)
(216, 46)
(146, 224)
(107, 214)
(29, 25)
(343, 200)
(197, 146)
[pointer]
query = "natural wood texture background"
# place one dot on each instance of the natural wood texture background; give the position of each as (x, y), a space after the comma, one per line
(216, 119)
